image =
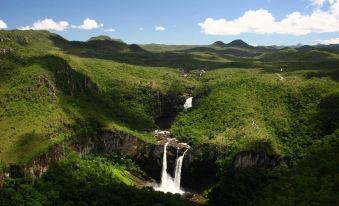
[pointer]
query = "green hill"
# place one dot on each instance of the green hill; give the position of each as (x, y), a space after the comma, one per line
(46, 95)
(271, 134)
(238, 43)
(104, 37)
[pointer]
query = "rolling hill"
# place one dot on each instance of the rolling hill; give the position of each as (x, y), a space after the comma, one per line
(264, 120)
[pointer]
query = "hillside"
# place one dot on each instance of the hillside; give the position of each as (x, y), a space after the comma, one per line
(263, 126)
(47, 97)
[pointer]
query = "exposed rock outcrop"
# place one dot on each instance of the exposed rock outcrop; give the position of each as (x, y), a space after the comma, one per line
(250, 159)
(6, 50)
(35, 168)
(148, 155)
(199, 169)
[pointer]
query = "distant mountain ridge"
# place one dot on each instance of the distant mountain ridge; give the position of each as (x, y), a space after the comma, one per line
(104, 37)
(236, 53)
(239, 43)
(219, 44)
(236, 43)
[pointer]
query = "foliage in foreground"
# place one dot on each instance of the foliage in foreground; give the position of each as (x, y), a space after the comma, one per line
(89, 181)
(313, 181)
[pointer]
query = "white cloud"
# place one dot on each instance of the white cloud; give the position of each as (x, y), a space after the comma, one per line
(261, 21)
(141, 29)
(89, 24)
(328, 41)
(109, 30)
(3, 24)
(47, 24)
(25, 28)
(318, 2)
(159, 28)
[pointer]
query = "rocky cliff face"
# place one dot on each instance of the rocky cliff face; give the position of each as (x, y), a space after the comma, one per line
(197, 161)
(199, 169)
(35, 168)
(104, 143)
(148, 155)
(250, 159)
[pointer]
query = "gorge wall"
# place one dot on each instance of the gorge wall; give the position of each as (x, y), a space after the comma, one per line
(199, 169)
(147, 155)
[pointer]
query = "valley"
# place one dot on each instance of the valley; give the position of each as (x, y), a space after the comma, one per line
(103, 122)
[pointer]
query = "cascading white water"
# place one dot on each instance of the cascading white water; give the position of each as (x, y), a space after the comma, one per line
(165, 177)
(188, 103)
(177, 173)
(169, 184)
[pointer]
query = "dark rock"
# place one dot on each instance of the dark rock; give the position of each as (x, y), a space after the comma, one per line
(35, 168)
(147, 155)
(199, 169)
(251, 159)
(197, 162)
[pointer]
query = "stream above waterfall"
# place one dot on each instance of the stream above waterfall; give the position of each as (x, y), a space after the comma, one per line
(170, 109)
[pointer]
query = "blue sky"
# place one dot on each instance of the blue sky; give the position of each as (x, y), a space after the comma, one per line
(261, 22)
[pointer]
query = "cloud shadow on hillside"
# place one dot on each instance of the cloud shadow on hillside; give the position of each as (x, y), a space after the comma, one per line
(135, 55)
(81, 93)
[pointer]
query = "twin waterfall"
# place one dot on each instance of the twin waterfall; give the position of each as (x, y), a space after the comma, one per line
(168, 183)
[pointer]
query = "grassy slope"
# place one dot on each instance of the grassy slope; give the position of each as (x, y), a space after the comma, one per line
(164, 47)
(48, 94)
(245, 107)
(44, 101)
(296, 118)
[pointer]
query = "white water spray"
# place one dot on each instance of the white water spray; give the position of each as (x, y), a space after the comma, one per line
(169, 184)
(177, 173)
(188, 103)
(165, 177)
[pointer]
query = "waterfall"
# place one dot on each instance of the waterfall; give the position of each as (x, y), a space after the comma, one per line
(169, 184)
(165, 177)
(177, 173)
(188, 103)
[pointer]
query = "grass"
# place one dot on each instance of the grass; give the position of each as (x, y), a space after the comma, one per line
(44, 99)
(246, 107)
(52, 90)
(31, 117)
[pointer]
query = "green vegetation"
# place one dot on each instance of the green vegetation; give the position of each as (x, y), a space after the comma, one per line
(52, 90)
(313, 181)
(247, 110)
(49, 97)
(86, 181)
(246, 106)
